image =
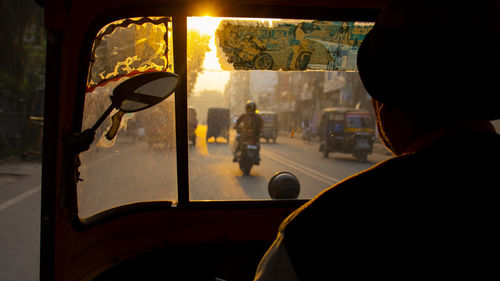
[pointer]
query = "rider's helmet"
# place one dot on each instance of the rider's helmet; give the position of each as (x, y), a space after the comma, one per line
(250, 106)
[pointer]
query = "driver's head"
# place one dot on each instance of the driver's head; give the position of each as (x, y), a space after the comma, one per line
(428, 63)
(250, 106)
(433, 56)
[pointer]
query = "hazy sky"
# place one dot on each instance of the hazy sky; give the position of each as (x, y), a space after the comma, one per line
(213, 78)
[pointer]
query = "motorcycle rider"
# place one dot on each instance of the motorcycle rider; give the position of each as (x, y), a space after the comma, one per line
(249, 125)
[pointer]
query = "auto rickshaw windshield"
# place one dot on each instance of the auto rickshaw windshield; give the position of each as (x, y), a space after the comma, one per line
(359, 121)
(229, 62)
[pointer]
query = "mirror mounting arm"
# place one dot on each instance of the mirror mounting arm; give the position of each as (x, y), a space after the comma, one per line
(77, 143)
(103, 117)
(152, 88)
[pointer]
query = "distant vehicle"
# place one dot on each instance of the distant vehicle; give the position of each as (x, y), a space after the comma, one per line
(347, 130)
(218, 122)
(192, 124)
(270, 130)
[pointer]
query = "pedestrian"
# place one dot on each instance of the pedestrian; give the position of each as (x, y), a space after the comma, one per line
(306, 129)
(431, 210)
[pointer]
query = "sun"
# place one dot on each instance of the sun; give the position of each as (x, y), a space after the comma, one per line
(213, 76)
(205, 25)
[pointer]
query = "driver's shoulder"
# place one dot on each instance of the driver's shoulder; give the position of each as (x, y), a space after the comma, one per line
(355, 194)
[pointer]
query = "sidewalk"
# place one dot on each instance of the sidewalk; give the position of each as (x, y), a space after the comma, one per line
(14, 169)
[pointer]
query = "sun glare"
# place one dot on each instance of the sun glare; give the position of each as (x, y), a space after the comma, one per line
(213, 77)
(205, 25)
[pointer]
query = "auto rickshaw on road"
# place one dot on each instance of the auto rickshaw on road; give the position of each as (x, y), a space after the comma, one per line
(218, 122)
(270, 129)
(347, 130)
(193, 124)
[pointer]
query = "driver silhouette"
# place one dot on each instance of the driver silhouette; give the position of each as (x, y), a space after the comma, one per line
(428, 211)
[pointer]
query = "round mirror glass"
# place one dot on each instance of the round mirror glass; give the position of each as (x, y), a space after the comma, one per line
(144, 90)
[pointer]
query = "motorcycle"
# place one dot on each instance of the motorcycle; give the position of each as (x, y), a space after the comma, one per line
(248, 153)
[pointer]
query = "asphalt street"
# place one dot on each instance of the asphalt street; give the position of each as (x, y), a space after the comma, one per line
(19, 219)
(133, 171)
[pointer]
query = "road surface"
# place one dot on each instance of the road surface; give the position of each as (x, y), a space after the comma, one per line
(19, 220)
(147, 173)
(134, 171)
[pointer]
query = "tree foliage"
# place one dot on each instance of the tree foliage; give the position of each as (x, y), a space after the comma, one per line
(360, 97)
(196, 49)
(23, 40)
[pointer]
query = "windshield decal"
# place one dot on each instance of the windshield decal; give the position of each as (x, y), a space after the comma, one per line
(289, 44)
(128, 47)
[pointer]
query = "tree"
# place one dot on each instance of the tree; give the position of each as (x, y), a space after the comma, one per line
(238, 90)
(360, 97)
(196, 49)
(23, 39)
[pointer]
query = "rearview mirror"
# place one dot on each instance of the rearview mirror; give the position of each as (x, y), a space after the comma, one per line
(134, 94)
(144, 90)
